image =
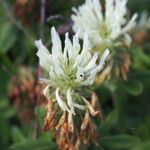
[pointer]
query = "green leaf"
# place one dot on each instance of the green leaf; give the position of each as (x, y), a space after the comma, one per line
(3, 104)
(4, 132)
(8, 36)
(144, 128)
(46, 135)
(119, 142)
(4, 82)
(144, 146)
(34, 145)
(133, 87)
(17, 135)
(142, 76)
(7, 113)
(109, 123)
(141, 60)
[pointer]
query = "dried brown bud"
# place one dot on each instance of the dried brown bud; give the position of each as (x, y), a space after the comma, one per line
(25, 93)
(104, 75)
(24, 9)
(84, 129)
(125, 65)
(122, 68)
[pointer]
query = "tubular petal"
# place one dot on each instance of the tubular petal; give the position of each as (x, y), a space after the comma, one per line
(69, 100)
(61, 104)
(90, 107)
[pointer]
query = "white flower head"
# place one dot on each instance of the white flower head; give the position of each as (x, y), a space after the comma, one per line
(102, 27)
(69, 68)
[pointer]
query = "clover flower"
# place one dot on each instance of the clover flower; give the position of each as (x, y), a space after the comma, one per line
(103, 27)
(71, 70)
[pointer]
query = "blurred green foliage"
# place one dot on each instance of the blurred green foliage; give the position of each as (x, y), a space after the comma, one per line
(126, 107)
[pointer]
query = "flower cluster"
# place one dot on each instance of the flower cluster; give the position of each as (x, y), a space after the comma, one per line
(71, 70)
(25, 93)
(102, 27)
(107, 27)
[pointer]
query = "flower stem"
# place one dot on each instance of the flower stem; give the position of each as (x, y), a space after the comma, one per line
(42, 19)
